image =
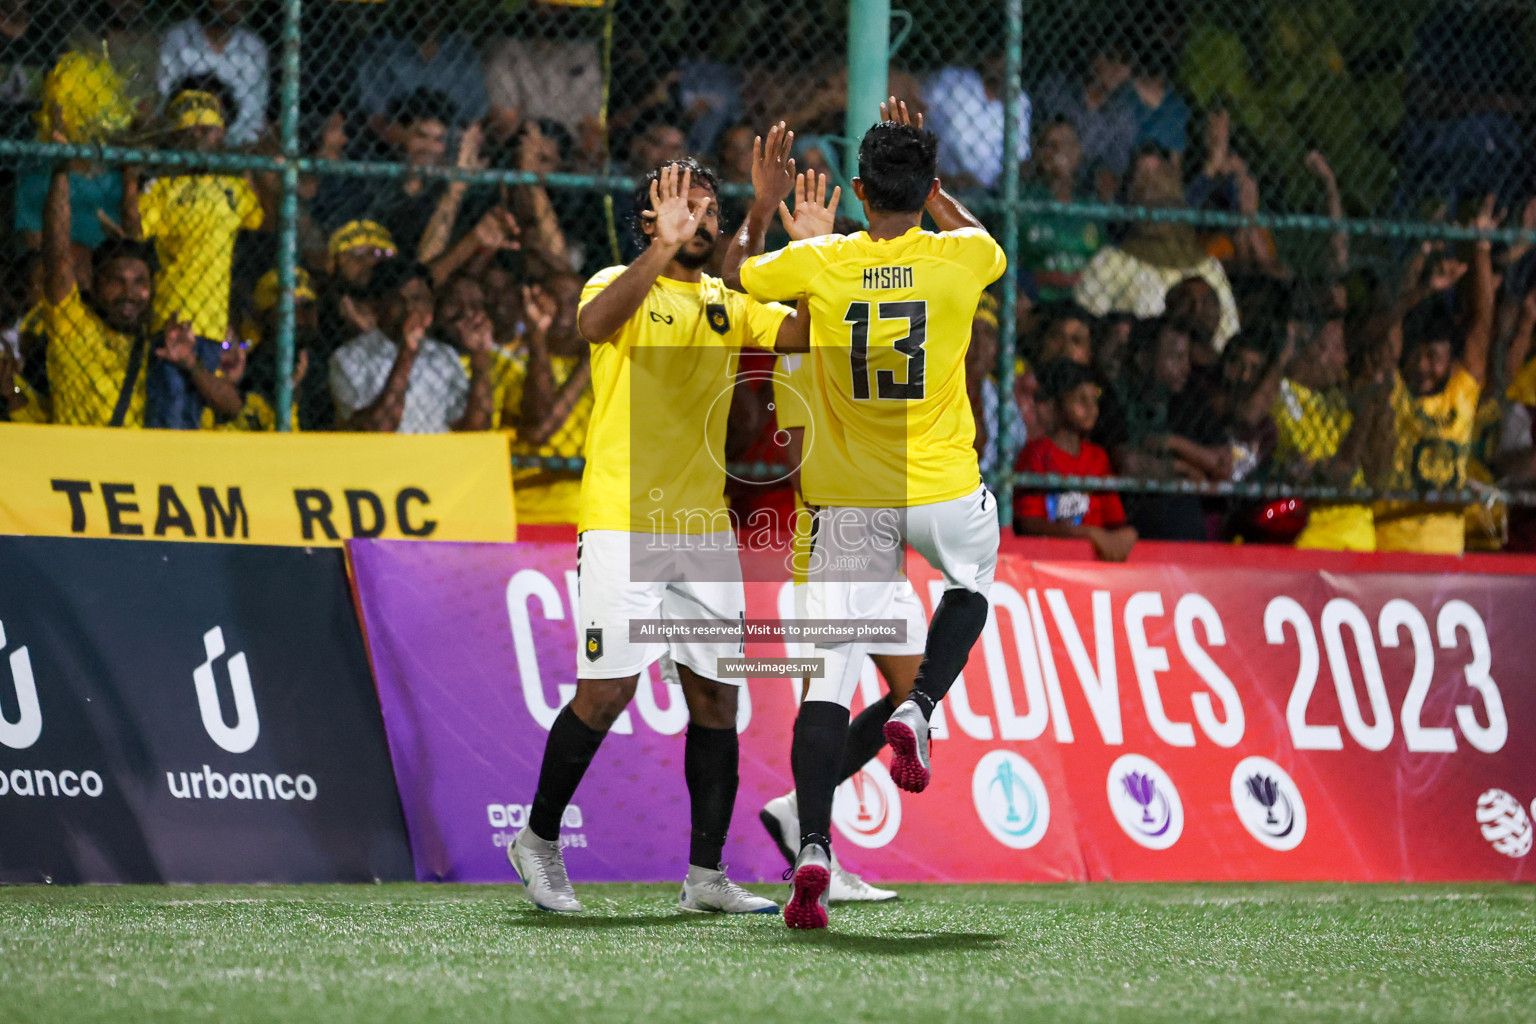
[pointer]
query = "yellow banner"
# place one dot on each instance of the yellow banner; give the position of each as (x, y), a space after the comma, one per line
(299, 489)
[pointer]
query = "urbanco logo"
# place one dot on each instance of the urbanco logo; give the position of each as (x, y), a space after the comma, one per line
(22, 733)
(1145, 802)
(1268, 803)
(1011, 799)
(241, 736)
(867, 808)
(1504, 823)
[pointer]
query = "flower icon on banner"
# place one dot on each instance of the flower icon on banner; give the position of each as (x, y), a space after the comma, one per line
(1268, 803)
(1145, 802)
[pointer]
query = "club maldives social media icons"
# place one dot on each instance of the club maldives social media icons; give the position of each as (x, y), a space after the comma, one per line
(1145, 802)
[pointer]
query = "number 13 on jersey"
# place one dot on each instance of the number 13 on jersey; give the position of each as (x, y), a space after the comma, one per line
(915, 313)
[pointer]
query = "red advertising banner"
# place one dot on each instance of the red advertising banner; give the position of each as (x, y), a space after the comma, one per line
(1137, 722)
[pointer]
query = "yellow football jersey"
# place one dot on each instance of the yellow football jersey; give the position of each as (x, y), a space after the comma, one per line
(662, 388)
(890, 322)
(87, 364)
(1434, 434)
(194, 219)
(1311, 426)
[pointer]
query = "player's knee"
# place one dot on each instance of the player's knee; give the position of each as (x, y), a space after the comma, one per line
(599, 702)
(710, 704)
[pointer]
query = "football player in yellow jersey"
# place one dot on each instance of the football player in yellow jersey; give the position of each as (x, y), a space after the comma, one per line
(654, 537)
(890, 459)
(1434, 401)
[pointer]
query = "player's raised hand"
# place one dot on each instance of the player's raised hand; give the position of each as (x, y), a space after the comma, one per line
(814, 214)
(676, 219)
(896, 110)
(773, 169)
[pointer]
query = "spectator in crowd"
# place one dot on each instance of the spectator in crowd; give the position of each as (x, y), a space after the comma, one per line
(28, 46)
(1065, 332)
(394, 378)
(1155, 426)
(1161, 115)
(24, 396)
(982, 387)
(218, 43)
(466, 325)
(1325, 428)
(1435, 399)
(1241, 392)
(552, 73)
(1055, 247)
(1095, 516)
(422, 55)
(1092, 100)
(408, 206)
(501, 280)
(555, 406)
(1111, 344)
(258, 385)
(1225, 184)
(193, 219)
(543, 147)
(965, 110)
(99, 348)
(1516, 453)
(1135, 276)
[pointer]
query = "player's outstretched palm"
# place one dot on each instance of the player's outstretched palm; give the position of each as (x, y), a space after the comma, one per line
(896, 110)
(773, 169)
(675, 216)
(814, 214)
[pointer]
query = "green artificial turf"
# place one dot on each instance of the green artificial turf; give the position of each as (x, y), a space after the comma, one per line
(413, 953)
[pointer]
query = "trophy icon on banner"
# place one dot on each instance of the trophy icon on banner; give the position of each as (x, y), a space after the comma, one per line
(1008, 781)
(861, 792)
(1263, 789)
(1140, 787)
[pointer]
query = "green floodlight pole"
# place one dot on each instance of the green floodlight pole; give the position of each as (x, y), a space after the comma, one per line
(288, 216)
(869, 61)
(1008, 327)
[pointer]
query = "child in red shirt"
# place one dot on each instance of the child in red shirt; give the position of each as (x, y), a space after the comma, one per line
(1094, 516)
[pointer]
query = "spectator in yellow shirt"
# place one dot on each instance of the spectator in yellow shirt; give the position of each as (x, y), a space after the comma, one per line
(99, 348)
(194, 219)
(1434, 402)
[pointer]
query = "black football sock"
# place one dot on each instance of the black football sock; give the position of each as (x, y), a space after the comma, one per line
(710, 766)
(821, 730)
(571, 746)
(957, 622)
(866, 735)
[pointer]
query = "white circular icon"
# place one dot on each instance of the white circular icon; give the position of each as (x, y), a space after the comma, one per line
(1504, 822)
(1268, 803)
(1010, 799)
(867, 808)
(1145, 802)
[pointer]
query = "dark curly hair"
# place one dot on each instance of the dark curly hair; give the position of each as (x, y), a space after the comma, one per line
(124, 249)
(897, 165)
(701, 176)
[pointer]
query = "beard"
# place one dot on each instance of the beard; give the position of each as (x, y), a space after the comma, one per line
(696, 260)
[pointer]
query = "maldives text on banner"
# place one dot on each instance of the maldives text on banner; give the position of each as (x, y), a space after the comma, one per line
(300, 489)
(1139, 722)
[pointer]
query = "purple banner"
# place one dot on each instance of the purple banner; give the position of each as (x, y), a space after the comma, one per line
(474, 652)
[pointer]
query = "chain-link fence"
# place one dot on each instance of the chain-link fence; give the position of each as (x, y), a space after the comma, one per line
(1253, 226)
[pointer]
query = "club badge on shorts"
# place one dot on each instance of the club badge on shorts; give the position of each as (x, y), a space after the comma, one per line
(594, 644)
(719, 322)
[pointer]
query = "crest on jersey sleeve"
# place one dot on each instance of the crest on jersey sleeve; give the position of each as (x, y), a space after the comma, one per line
(719, 320)
(594, 644)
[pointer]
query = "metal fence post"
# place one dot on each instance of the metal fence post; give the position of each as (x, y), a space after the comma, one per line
(869, 59)
(288, 217)
(1007, 338)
